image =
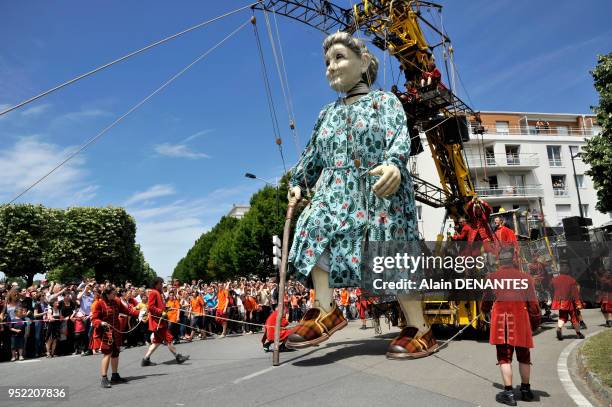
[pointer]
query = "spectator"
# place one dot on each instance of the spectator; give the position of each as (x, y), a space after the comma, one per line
(210, 300)
(18, 328)
(174, 307)
(222, 306)
(197, 314)
(54, 323)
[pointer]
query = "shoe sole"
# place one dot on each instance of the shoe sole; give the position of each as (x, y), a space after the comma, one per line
(316, 341)
(415, 355)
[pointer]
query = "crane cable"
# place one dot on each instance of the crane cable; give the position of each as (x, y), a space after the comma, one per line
(127, 113)
(264, 72)
(123, 58)
(289, 99)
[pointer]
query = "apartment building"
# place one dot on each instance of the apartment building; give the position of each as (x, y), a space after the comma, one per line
(528, 161)
(238, 211)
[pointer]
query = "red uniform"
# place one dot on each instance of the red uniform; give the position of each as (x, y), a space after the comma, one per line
(467, 232)
(505, 235)
(108, 338)
(604, 291)
(434, 74)
(566, 297)
(479, 213)
(362, 303)
(514, 313)
(269, 329)
(158, 326)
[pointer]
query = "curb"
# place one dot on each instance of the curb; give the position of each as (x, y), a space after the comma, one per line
(592, 380)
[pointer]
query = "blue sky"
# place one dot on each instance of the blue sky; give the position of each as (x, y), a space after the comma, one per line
(178, 163)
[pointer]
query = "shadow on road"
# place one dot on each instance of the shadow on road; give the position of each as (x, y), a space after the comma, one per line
(358, 348)
(537, 394)
(135, 378)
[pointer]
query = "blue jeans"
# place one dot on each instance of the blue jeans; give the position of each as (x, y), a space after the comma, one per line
(38, 341)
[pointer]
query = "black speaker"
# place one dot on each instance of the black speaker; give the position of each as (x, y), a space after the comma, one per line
(455, 130)
(576, 221)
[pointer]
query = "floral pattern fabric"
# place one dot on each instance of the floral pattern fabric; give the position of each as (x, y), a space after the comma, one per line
(344, 210)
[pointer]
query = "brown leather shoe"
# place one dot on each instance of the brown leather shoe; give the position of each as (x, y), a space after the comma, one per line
(315, 327)
(409, 346)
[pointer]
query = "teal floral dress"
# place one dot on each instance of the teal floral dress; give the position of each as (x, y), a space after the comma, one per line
(347, 142)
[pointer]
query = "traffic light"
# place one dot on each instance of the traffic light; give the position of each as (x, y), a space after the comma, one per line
(276, 251)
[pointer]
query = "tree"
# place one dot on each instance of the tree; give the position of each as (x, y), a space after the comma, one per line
(239, 247)
(94, 240)
(197, 262)
(597, 152)
(25, 235)
(255, 231)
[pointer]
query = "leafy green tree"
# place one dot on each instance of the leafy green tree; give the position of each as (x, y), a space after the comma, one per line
(98, 239)
(255, 231)
(239, 247)
(25, 234)
(598, 150)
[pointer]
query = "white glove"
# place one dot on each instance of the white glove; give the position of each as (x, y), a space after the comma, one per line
(389, 182)
(294, 195)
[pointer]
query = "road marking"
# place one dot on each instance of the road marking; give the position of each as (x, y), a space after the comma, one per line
(252, 375)
(566, 379)
(29, 361)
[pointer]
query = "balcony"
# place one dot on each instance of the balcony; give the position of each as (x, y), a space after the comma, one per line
(555, 162)
(504, 161)
(532, 131)
(510, 192)
(560, 192)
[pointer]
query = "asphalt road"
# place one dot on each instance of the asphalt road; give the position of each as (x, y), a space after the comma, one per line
(348, 370)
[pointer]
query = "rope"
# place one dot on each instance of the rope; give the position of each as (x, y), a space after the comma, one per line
(223, 318)
(292, 125)
(273, 118)
(445, 343)
(124, 332)
(135, 107)
(131, 54)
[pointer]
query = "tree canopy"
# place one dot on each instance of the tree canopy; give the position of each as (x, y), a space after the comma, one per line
(598, 150)
(238, 247)
(69, 244)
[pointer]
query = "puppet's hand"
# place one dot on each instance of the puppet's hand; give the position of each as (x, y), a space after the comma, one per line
(294, 195)
(389, 182)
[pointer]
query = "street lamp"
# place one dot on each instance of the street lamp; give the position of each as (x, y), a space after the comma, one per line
(577, 155)
(275, 185)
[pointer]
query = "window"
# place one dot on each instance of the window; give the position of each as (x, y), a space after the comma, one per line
(563, 130)
(490, 156)
(554, 156)
(502, 127)
(559, 185)
(512, 155)
(493, 185)
(580, 181)
(585, 210)
(563, 211)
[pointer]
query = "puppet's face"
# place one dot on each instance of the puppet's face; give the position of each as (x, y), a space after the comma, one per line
(344, 67)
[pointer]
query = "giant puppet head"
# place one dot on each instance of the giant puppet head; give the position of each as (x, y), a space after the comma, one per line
(348, 61)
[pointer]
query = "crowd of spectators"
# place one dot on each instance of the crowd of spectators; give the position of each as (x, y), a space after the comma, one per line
(52, 319)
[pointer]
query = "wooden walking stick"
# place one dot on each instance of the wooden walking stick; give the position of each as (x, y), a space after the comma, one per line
(281, 280)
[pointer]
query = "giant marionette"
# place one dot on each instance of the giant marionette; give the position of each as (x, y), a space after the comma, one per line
(357, 158)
